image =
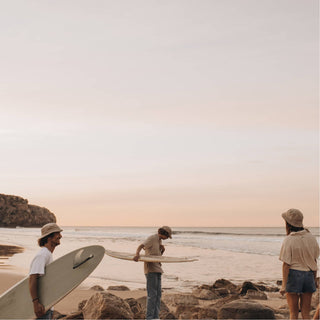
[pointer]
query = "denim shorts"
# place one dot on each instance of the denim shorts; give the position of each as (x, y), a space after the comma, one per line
(300, 281)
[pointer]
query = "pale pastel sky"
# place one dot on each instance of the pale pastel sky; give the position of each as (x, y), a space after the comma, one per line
(177, 112)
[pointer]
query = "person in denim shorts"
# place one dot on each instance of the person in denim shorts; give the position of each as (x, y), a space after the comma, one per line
(299, 253)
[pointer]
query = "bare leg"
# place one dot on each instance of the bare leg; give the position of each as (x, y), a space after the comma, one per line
(306, 305)
(293, 303)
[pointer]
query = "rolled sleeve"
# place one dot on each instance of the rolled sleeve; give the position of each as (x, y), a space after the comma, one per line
(285, 252)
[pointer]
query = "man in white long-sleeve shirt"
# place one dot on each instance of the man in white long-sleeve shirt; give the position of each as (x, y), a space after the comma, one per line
(50, 238)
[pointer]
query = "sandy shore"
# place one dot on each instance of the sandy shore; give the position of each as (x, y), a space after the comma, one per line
(70, 303)
(9, 276)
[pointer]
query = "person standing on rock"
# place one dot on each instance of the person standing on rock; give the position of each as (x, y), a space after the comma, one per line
(153, 271)
(50, 238)
(299, 253)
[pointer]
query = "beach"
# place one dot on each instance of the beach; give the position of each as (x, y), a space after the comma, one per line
(10, 275)
(268, 296)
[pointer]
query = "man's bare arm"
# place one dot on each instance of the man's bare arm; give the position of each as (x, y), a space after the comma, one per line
(33, 288)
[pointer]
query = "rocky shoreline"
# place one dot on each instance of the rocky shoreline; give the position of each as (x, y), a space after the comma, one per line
(16, 212)
(222, 300)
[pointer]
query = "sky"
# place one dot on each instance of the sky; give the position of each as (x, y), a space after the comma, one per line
(175, 112)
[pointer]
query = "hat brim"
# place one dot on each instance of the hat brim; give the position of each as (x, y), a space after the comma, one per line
(284, 216)
(48, 233)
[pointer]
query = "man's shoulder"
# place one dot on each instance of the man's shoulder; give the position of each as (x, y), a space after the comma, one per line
(151, 238)
(43, 252)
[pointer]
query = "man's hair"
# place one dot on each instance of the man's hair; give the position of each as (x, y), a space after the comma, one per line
(290, 228)
(43, 241)
(163, 232)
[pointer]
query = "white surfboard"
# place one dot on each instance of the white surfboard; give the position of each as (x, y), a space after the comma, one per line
(61, 277)
(144, 258)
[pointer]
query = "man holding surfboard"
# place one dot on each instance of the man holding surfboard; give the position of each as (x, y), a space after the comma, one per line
(50, 238)
(153, 271)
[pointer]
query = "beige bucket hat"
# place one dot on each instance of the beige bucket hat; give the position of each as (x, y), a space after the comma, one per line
(293, 217)
(49, 228)
(168, 229)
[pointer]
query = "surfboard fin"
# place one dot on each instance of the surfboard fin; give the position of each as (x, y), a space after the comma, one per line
(78, 260)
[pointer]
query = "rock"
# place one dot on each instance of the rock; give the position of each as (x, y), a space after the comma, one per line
(136, 308)
(246, 286)
(256, 295)
(205, 286)
(204, 294)
(315, 299)
(208, 313)
(263, 287)
(57, 315)
(221, 292)
(74, 315)
(282, 313)
(279, 282)
(104, 305)
(221, 302)
(82, 304)
(241, 309)
(118, 288)
(167, 315)
(187, 312)
(226, 284)
(97, 288)
(16, 212)
(164, 310)
(181, 299)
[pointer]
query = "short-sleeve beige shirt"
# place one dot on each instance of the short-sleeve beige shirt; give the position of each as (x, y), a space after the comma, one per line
(300, 251)
(152, 247)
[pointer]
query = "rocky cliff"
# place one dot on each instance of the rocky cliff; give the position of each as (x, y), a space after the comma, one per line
(16, 212)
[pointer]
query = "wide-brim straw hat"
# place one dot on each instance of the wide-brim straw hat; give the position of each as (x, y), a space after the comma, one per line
(49, 228)
(293, 217)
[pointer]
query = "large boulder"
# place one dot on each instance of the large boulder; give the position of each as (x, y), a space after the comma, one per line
(164, 310)
(225, 284)
(16, 212)
(104, 305)
(187, 312)
(180, 299)
(255, 295)
(205, 294)
(241, 309)
(208, 313)
(136, 308)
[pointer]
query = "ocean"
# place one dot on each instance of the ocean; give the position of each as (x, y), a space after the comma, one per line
(236, 254)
